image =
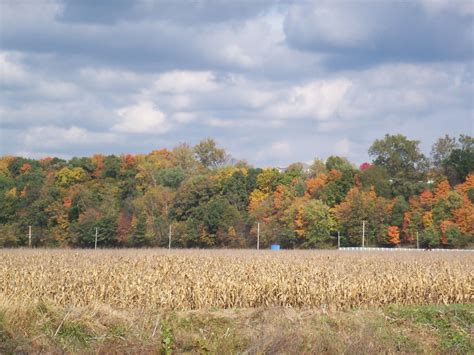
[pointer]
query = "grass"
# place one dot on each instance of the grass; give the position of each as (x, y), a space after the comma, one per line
(225, 302)
(453, 324)
(38, 327)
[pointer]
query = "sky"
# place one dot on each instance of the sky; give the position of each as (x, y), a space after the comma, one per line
(273, 82)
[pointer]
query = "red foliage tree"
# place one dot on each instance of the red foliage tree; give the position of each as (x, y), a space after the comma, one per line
(98, 160)
(393, 235)
(25, 168)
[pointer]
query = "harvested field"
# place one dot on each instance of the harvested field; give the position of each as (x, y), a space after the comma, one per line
(196, 279)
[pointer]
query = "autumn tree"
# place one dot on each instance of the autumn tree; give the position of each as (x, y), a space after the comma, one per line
(153, 210)
(184, 157)
(211, 201)
(317, 167)
(361, 206)
(313, 223)
(393, 235)
(66, 177)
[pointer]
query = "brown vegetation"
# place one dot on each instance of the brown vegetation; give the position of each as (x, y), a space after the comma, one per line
(183, 280)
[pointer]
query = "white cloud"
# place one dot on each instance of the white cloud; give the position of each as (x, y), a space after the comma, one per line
(462, 7)
(29, 13)
(52, 137)
(185, 81)
(323, 65)
(330, 22)
(319, 100)
(109, 78)
(184, 117)
(143, 117)
(277, 151)
(281, 148)
(11, 73)
(404, 89)
(57, 90)
(233, 54)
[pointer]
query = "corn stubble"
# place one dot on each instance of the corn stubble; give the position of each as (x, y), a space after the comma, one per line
(151, 279)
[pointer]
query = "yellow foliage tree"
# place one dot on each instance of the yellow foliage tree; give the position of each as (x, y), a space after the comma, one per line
(427, 219)
(66, 177)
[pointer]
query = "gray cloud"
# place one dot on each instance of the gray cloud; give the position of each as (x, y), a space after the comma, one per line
(186, 12)
(273, 82)
(363, 33)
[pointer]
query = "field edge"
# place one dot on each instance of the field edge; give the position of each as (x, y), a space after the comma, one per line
(37, 326)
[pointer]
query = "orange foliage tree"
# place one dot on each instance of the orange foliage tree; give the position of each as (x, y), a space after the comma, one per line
(442, 190)
(393, 235)
(98, 160)
(25, 168)
(426, 199)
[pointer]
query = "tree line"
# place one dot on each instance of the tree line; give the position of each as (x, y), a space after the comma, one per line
(212, 200)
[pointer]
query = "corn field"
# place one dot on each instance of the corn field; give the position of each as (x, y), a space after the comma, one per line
(151, 279)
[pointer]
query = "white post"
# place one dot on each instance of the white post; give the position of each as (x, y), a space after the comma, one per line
(96, 234)
(169, 238)
(417, 243)
(338, 240)
(363, 233)
(29, 236)
(258, 235)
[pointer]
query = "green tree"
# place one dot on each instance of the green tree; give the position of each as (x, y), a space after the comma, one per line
(317, 167)
(441, 151)
(460, 162)
(183, 156)
(378, 178)
(155, 206)
(235, 190)
(455, 238)
(139, 238)
(400, 206)
(398, 155)
(338, 163)
(268, 180)
(170, 177)
(85, 163)
(404, 162)
(219, 216)
(209, 155)
(319, 224)
(112, 165)
(429, 238)
(195, 192)
(84, 230)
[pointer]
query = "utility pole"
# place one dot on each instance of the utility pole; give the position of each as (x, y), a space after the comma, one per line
(258, 235)
(29, 236)
(96, 235)
(338, 240)
(169, 238)
(363, 234)
(417, 243)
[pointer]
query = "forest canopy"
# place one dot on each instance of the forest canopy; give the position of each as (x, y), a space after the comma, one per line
(209, 199)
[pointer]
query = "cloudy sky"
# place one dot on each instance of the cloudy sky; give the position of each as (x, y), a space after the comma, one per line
(272, 81)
